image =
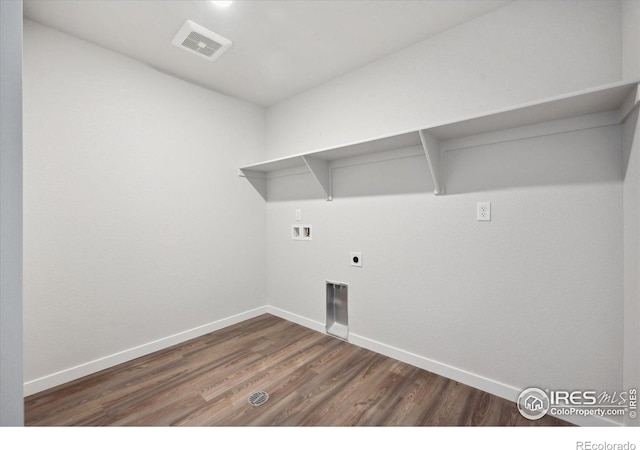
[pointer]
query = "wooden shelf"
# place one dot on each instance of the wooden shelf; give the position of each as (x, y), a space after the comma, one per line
(619, 97)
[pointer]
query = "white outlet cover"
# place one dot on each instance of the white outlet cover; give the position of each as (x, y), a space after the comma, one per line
(483, 212)
(296, 232)
(301, 232)
(355, 259)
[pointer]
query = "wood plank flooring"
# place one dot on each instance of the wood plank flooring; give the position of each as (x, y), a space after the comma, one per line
(312, 380)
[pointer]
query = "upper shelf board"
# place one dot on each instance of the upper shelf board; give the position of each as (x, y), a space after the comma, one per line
(403, 140)
(610, 97)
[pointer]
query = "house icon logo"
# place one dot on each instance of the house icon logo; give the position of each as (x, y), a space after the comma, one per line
(533, 403)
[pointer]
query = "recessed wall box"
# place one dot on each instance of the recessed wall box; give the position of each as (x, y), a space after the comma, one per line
(337, 310)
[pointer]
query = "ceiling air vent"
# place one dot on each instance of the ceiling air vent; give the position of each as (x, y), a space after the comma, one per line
(199, 40)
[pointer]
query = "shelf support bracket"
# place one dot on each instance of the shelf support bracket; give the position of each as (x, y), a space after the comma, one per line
(257, 179)
(629, 104)
(321, 171)
(432, 151)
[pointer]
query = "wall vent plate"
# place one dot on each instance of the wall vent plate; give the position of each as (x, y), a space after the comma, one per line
(197, 39)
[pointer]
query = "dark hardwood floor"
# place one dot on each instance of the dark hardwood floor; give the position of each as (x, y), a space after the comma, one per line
(312, 379)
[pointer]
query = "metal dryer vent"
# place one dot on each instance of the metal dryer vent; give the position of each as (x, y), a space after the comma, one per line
(202, 42)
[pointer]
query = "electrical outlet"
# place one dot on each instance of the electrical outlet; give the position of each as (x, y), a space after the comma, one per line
(356, 259)
(483, 212)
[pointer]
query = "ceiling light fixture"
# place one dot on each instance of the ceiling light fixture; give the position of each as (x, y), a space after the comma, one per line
(223, 4)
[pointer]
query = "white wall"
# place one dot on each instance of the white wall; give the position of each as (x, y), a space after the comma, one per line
(631, 39)
(533, 298)
(631, 199)
(136, 225)
(11, 401)
(631, 196)
(522, 52)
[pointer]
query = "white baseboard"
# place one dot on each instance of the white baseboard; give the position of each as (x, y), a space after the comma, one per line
(471, 379)
(494, 387)
(79, 371)
(489, 385)
(295, 318)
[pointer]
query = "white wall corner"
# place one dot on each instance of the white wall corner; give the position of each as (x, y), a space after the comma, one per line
(630, 39)
(11, 345)
(631, 241)
(73, 373)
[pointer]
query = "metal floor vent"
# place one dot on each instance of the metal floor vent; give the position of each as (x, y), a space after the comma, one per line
(197, 39)
(258, 398)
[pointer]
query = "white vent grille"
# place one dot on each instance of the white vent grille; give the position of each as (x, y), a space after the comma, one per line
(202, 42)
